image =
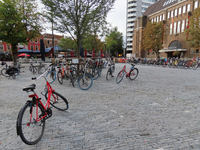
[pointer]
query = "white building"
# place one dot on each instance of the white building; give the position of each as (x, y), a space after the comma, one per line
(135, 8)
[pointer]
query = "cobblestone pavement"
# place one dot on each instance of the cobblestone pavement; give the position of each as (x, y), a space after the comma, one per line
(157, 111)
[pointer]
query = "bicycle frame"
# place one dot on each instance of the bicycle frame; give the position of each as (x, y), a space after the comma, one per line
(124, 69)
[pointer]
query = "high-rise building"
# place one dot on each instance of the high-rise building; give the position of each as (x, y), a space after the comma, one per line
(135, 8)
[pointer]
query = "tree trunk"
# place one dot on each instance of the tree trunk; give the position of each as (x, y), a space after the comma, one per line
(14, 53)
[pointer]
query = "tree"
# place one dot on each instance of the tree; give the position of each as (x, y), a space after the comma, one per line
(153, 36)
(76, 16)
(93, 42)
(114, 41)
(67, 43)
(193, 32)
(18, 23)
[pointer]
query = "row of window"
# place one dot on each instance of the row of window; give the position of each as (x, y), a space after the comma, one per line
(36, 40)
(131, 2)
(176, 12)
(178, 27)
(145, 4)
(2, 47)
(131, 7)
(179, 11)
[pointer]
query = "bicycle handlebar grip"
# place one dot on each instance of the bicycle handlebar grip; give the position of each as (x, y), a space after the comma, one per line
(34, 78)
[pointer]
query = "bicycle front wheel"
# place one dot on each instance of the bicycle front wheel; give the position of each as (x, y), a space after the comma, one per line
(51, 76)
(108, 74)
(133, 73)
(28, 128)
(119, 77)
(4, 72)
(85, 82)
(58, 101)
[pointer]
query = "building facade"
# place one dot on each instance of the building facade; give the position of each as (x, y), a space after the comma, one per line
(174, 14)
(135, 8)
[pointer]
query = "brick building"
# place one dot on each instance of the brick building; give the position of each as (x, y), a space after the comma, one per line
(174, 15)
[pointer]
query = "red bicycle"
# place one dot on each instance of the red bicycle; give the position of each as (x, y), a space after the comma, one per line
(132, 74)
(32, 116)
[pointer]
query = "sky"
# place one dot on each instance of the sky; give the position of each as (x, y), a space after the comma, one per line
(117, 17)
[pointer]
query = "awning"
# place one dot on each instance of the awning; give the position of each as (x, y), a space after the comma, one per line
(172, 50)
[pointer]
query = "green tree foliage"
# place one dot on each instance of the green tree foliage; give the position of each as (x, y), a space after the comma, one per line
(77, 16)
(93, 42)
(193, 32)
(114, 41)
(18, 22)
(67, 43)
(153, 36)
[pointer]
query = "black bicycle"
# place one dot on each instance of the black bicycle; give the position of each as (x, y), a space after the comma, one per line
(110, 71)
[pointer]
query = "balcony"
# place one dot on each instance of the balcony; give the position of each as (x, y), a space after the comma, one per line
(133, 14)
(133, 4)
(130, 24)
(132, 9)
(132, 19)
(131, 0)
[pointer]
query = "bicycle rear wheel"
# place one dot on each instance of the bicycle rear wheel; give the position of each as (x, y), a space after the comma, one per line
(119, 77)
(85, 82)
(133, 73)
(60, 78)
(58, 101)
(28, 128)
(51, 76)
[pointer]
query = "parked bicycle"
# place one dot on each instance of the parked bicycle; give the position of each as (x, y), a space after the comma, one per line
(9, 71)
(32, 116)
(85, 81)
(111, 70)
(51, 75)
(132, 74)
(38, 68)
(63, 74)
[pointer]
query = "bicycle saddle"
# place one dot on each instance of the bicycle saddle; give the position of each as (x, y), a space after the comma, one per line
(132, 65)
(30, 87)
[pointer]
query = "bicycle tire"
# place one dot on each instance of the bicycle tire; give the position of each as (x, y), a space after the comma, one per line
(4, 72)
(119, 77)
(74, 73)
(108, 74)
(113, 68)
(58, 101)
(24, 124)
(96, 73)
(71, 79)
(133, 74)
(41, 70)
(60, 78)
(83, 82)
(51, 76)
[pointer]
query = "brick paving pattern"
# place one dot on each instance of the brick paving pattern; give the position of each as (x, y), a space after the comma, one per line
(157, 111)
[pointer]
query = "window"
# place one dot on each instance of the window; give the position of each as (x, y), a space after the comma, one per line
(186, 23)
(172, 14)
(160, 17)
(48, 42)
(32, 47)
(179, 11)
(188, 7)
(8, 47)
(1, 46)
(175, 12)
(163, 17)
(46, 46)
(184, 9)
(36, 48)
(168, 15)
(183, 26)
(179, 27)
(31, 40)
(152, 20)
(170, 28)
(155, 19)
(195, 4)
(36, 41)
(174, 27)
(197, 51)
